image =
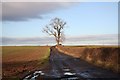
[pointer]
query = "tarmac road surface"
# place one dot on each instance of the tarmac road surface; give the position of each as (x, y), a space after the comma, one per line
(65, 67)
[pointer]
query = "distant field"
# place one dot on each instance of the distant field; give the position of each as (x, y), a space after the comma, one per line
(17, 61)
(94, 46)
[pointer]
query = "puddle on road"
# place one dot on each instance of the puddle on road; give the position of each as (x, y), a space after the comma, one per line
(72, 78)
(85, 75)
(66, 69)
(67, 75)
(34, 75)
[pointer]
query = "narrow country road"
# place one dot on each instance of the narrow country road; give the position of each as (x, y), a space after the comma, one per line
(64, 67)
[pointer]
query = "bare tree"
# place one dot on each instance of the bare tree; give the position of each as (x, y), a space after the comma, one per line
(56, 28)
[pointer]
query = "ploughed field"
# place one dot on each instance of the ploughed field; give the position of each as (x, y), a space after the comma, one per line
(19, 61)
(59, 62)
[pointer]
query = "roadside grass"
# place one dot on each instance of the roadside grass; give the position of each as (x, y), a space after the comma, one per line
(45, 58)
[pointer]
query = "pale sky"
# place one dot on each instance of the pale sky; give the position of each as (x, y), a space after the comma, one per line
(88, 22)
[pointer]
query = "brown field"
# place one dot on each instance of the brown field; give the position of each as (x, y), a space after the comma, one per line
(102, 56)
(18, 61)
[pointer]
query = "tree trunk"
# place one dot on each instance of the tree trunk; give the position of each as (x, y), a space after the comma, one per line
(57, 40)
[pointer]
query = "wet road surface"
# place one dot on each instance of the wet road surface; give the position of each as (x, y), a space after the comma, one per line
(64, 67)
